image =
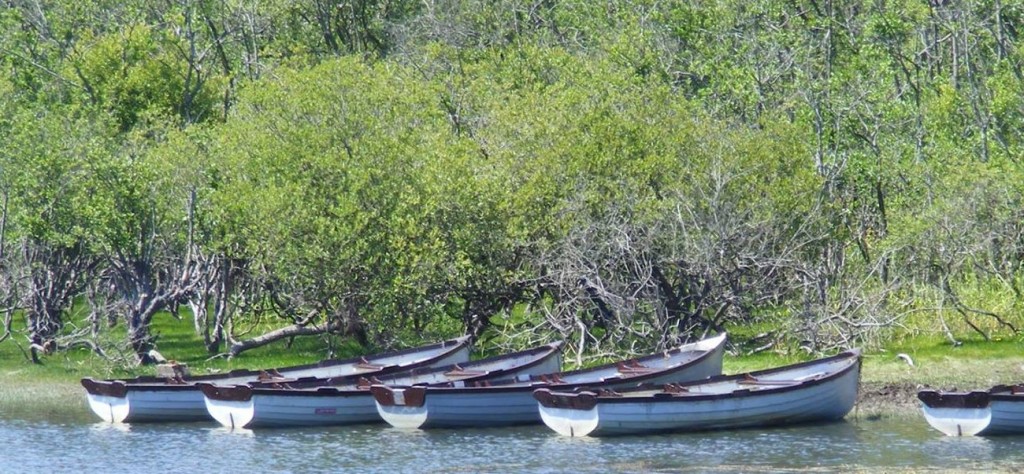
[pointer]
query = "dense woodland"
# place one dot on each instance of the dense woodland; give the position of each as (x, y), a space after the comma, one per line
(621, 174)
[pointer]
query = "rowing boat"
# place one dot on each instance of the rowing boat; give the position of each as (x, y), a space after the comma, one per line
(510, 402)
(162, 399)
(996, 411)
(348, 400)
(816, 391)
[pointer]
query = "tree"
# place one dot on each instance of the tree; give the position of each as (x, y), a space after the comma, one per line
(51, 159)
(187, 175)
(144, 239)
(140, 72)
(314, 163)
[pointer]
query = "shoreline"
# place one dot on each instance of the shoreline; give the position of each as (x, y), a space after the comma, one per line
(877, 400)
(56, 401)
(888, 386)
(65, 400)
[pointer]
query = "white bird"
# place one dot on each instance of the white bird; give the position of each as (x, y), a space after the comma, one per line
(156, 356)
(906, 358)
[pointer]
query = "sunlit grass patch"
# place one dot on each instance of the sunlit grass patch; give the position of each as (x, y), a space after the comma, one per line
(41, 399)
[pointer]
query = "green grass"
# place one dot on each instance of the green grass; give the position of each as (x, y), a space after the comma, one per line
(888, 382)
(37, 391)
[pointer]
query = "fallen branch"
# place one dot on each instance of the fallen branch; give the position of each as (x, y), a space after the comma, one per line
(238, 347)
(963, 309)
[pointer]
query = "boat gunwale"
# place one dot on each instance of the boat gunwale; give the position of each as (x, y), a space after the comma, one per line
(971, 399)
(940, 399)
(534, 385)
(155, 383)
(543, 354)
(587, 400)
(1007, 393)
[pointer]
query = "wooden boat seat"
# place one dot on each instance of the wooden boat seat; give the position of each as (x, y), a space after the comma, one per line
(364, 364)
(607, 392)
(632, 367)
(366, 382)
(674, 388)
(550, 379)
(459, 372)
(176, 380)
(283, 382)
(268, 375)
(772, 382)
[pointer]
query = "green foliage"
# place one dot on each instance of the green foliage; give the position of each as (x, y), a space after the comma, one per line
(324, 185)
(136, 72)
(51, 160)
(425, 169)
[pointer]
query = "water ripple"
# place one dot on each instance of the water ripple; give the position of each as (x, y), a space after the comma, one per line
(74, 446)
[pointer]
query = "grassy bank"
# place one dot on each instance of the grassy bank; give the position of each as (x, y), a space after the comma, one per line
(34, 399)
(52, 388)
(888, 383)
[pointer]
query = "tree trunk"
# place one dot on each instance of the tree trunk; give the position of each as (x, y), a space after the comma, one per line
(221, 311)
(44, 325)
(140, 339)
(239, 347)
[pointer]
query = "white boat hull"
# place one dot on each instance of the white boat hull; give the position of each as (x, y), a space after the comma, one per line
(980, 413)
(157, 401)
(108, 408)
(721, 407)
(958, 421)
(445, 407)
(252, 408)
(270, 411)
(149, 405)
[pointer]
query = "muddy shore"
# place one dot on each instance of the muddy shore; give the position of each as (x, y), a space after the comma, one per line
(885, 399)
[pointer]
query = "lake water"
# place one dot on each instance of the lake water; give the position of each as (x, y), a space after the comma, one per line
(81, 445)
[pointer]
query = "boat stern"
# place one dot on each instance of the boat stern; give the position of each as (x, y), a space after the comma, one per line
(568, 414)
(107, 399)
(232, 406)
(956, 414)
(403, 408)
